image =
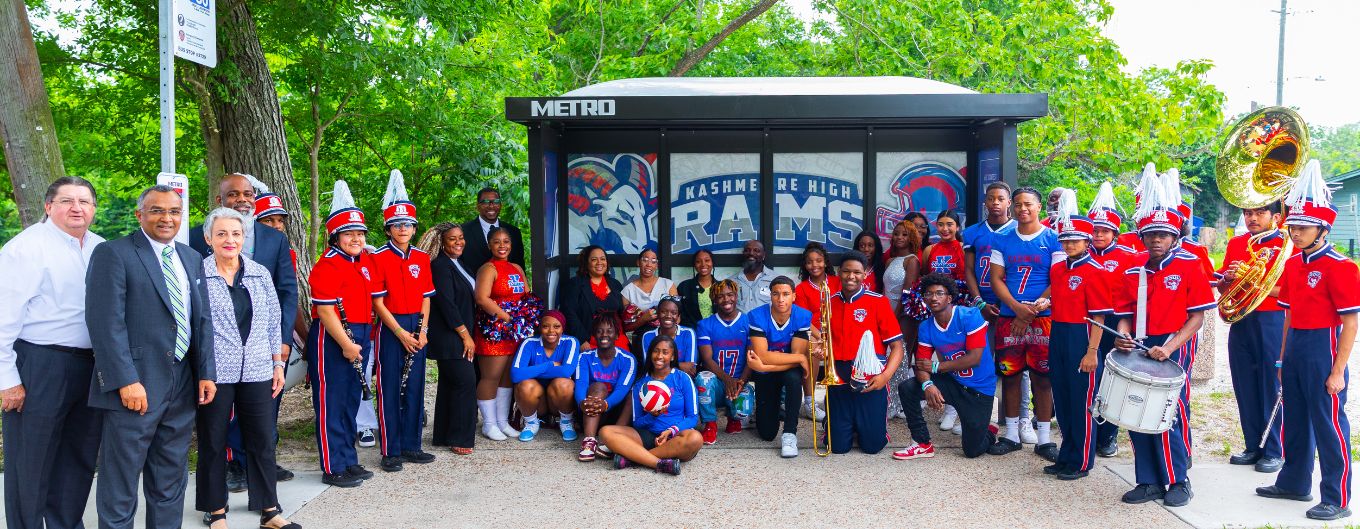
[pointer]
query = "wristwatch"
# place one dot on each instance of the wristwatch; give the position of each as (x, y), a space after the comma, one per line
(279, 363)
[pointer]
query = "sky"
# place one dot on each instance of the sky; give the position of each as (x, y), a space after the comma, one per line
(1241, 37)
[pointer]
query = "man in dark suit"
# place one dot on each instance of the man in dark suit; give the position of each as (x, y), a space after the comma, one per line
(269, 247)
(475, 230)
(152, 336)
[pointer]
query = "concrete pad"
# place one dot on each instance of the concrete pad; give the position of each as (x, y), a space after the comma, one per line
(1225, 496)
(739, 482)
(293, 495)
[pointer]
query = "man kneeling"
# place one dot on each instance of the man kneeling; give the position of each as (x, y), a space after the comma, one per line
(963, 376)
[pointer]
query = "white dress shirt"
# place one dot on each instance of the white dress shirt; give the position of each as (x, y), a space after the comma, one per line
(43, 292)
(181, 276)
(486, 227)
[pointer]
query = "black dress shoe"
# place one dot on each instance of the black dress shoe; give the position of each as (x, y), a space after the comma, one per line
(358, 471)
(1248, 457)
(1269, 465)
(1003, 446)
(1143, 494)
(282, 474)
(1055, 469)
(1047, 451)
(390, 464)
(1280, 494)
(343, 479)
(1109, 449)
(1327, 511)
(1072, 473)
(418, 456)
(1178, 495)
(236, 476)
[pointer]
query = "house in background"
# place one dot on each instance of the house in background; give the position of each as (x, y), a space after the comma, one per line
(1346, 197)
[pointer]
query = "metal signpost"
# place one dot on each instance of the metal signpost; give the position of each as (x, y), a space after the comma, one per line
(188, 29)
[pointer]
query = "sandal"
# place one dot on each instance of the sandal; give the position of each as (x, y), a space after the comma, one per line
(209, 518)
(270, 514)
(460, 450)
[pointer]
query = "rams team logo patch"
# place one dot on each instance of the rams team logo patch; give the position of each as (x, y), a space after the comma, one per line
(401, 209)
(364, 270)
(1172, 282)
(860, 314)
(1073, 282)
(1110, 265)
(1160, 216)
(355, 217)
(1313, 278)
(414, 269)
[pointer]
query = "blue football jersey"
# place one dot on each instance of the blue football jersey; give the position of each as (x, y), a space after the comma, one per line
(1027, 259)
(686, 344)
(779, 338)
(966, 328)
(978, 239)
(728, 340)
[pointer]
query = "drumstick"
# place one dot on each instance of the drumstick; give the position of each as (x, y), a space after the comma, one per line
(1107, 328)
(1279, 399)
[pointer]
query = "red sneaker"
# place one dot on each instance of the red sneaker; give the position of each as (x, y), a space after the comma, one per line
(915, 451)
(710, 432)
(733, 425)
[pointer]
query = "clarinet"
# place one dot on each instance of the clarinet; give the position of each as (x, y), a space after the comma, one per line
(358, 364)
(410, 357)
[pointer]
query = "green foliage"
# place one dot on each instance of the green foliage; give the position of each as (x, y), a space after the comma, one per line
(420, 85)
(1337, 148)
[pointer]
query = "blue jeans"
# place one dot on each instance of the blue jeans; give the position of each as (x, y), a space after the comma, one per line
(712, 394)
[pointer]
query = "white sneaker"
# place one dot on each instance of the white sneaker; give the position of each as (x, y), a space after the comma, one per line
(508, 430)
(808, 414)
(493, 433)
(1027, 433)
(366, 438)
(957, 429)
(788, 445)
(949, 419)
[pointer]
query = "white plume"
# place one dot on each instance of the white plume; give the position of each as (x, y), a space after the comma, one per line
(396, 189)
(1310, 187)
(1171, 184)
(256, 183)
(1104, 199)
(341, 197)
(1149, 177)
(1153, 195)
(1067, 203)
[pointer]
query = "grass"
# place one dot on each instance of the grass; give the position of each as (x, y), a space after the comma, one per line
(298, 430)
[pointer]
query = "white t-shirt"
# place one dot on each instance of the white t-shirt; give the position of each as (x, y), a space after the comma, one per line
(647, 300)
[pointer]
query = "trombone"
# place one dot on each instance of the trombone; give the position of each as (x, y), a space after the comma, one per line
(829, 378)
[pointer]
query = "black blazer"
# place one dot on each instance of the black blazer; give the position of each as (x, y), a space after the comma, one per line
(451, 307)
(476, 253)
(579, 304)
(272, 251)
(689, 292)
(127, 309)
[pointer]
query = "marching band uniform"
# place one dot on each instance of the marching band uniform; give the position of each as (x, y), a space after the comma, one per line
(856, 413)
(340, 278)
(406, 278)
(1176, 287)
(1318, 288)
(1115, 258)
(1253, 347)
(1080, 288)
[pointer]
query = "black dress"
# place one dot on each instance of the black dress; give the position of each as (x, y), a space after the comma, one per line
(455, 404)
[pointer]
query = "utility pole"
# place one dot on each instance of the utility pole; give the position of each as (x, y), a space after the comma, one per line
(1279, 64)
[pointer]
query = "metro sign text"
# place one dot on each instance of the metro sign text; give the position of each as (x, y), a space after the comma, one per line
(561, 108)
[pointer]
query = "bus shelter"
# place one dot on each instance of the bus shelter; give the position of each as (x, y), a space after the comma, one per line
(679, 164)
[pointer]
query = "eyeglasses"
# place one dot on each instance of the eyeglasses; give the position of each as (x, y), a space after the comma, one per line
(402, 225)
(489, 201)
(69, 202)
(935, 294)
(648, 260)
(172, 213)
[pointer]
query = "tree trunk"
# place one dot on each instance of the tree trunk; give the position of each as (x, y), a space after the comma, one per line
(32, 153)
(251, 124)
(195, 79)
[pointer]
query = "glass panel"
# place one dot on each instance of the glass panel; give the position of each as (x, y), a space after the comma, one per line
(611, 201)
(550, 187)
(715, 201)
(818, 198)
(928, 182)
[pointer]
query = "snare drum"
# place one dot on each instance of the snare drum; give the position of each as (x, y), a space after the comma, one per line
(1138, 393)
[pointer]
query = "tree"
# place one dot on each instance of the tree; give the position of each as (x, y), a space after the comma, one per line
(1337, 148)
(32, 153)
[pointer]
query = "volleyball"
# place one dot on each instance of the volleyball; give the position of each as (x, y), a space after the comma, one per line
(656, 395)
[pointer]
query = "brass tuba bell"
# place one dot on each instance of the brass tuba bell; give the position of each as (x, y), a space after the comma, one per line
(1260, 159)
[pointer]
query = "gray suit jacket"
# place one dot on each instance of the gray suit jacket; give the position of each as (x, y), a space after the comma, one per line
(127, 309)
